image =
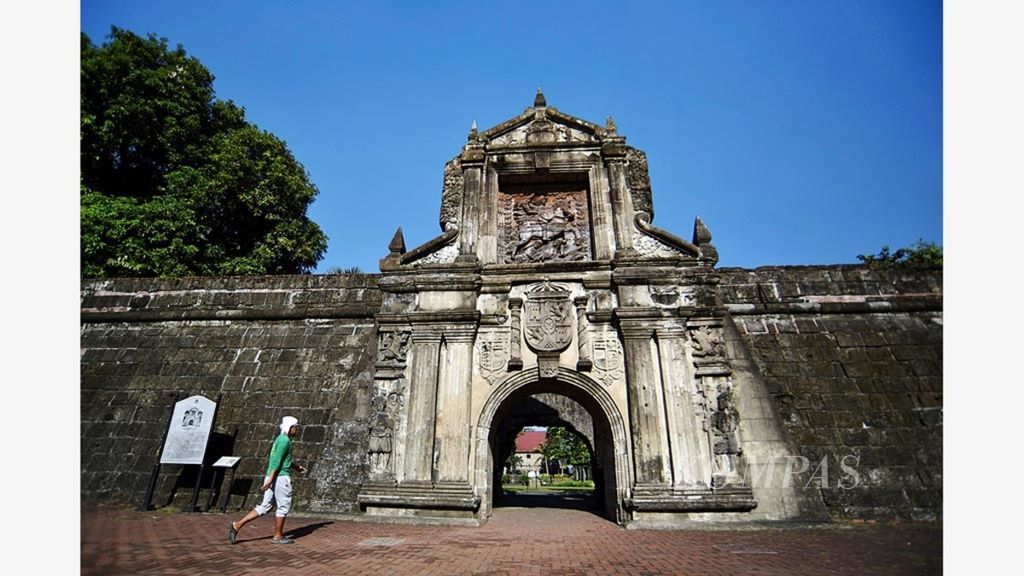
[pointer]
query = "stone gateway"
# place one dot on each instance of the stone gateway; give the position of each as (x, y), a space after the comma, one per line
(548, 297)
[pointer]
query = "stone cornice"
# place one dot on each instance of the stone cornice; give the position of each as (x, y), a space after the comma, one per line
(453, 278)
(108, 315)
(875, 305)
(438, 318)
(664, 271)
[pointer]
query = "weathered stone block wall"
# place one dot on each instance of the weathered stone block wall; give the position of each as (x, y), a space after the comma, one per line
(852, 358)
(266, 346)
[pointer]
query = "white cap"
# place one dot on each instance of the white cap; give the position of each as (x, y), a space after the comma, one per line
(287, 422)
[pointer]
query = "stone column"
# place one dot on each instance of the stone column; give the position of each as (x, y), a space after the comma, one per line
(515, 357)
(646, 403)
(690, 464)
(584, 364)
(452, 428)
(419, 447)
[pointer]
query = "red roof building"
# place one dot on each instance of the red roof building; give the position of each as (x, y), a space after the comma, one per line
(530, 440)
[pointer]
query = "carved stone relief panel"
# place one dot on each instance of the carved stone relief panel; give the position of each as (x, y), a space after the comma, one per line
(445, 255)
(670, 296)
(451, 195)
(544, 226)
(724, 424)
(542, 131)
(392, 348)
(708, 345)
(652, 247)
(511, 138)
(639, 181)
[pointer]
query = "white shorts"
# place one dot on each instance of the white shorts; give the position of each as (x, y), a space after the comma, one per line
(280, 494)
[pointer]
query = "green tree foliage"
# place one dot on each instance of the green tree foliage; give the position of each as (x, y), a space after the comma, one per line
(175, 182)
(564, 446)
(920, 254)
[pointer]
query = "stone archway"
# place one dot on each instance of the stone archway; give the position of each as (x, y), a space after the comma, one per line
(610, 445)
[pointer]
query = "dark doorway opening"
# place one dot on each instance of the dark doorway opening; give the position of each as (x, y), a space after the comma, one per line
(560, 481)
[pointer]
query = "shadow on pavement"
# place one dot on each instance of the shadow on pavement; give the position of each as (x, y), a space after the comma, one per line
(571, 501)
(307, 530)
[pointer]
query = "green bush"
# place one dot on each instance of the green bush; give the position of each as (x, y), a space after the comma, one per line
(921, 253)
(509, 479)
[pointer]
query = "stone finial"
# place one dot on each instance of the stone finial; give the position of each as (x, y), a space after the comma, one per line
(473, 134)
(610, 126)
(397, 245)
(702, 238)
(701, 234)
(539, 101)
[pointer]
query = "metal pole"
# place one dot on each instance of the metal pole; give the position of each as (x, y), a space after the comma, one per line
(160, 452)
(192, 507)
(213, 497)
(227, 495)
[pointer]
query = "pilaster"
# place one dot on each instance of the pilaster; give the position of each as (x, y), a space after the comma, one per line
(646, 404)
(472, 175)
(452, 427)
(687, 438)
(419, 449)
(614, 153)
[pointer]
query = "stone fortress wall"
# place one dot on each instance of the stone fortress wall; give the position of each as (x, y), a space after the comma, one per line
(851, 358)
(848, 358)
(266, 346)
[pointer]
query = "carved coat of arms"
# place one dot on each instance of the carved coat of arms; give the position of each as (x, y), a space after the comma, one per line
(493, 349)
(607, 358)
(548, 319)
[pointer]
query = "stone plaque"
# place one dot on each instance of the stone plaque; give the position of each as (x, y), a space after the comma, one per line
(544, 226)
(189, 431)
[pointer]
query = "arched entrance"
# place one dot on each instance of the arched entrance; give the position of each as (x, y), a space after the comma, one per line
(610, 450)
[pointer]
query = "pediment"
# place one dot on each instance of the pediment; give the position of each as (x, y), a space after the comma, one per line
(543, 125)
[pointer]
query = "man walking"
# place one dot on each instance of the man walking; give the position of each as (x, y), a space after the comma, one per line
(277, 486)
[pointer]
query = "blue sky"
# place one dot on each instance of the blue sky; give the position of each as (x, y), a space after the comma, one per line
(801, 132)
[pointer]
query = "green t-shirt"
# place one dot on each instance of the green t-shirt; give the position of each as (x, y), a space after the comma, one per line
(281, 456)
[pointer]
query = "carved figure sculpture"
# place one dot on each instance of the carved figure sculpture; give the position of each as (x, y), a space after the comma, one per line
(393, 347)
(725, 423)
(707, 344)
(384, 410)
(381, 435)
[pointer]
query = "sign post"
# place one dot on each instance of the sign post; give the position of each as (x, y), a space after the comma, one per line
(188, 434)
(226, 462)
(156, 467)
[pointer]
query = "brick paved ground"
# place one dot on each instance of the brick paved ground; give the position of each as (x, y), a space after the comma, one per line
(520, 541)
